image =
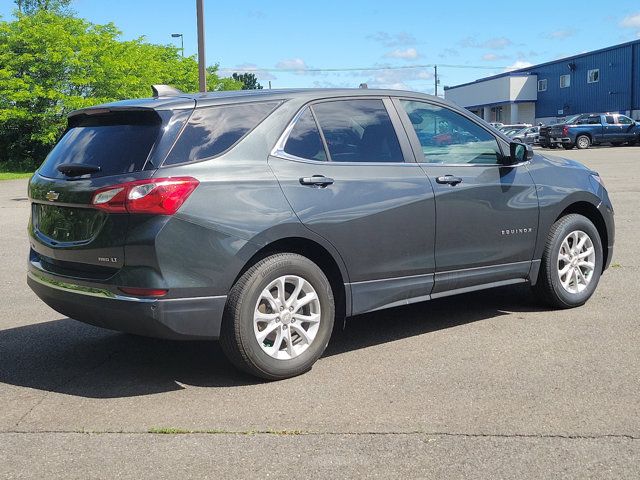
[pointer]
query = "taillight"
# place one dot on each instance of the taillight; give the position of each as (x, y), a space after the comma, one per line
(565, 131)
(159, 196)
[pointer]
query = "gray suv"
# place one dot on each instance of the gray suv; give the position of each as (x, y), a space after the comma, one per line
(260, 217)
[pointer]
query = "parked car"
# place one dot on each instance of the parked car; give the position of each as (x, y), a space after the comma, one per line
(515, 126)
(545, 139)
(261, 218)
(496, 124)
(511, 131)
(529, 135)
(582, 131)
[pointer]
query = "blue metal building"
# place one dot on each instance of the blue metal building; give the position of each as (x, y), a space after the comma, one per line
(606, 80)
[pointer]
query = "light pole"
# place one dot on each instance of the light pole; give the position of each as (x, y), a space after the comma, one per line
(176, 35)
(202, 72)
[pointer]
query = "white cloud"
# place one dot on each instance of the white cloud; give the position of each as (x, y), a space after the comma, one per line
(449, 52)
(631, 21)
(329, 84)
(529, 54)
(392, 39)
(497, 43)
(396, 79)
(518, 65)
(247, 68)
(259, 14)
(299, 67)
(296, 64)
(492, 57)
(560, 34)
(404, 54)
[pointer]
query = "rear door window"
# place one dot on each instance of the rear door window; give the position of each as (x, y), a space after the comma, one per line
(358, 131)
(116, 143)
(214, 130)
(304, 140)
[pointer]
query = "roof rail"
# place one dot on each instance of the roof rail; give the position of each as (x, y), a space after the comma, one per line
(164, 91)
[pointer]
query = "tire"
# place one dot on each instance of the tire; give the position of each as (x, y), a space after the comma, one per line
(549, 287)
(247, 301)
(583, 142)
(568, 146)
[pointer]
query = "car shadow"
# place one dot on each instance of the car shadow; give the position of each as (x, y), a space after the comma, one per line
(422, 318)
(72, 358)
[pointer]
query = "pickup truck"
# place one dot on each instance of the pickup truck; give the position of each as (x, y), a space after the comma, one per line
(582, 131)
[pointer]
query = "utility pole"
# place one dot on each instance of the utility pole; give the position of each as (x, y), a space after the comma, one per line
(202, 69)
(435, 68)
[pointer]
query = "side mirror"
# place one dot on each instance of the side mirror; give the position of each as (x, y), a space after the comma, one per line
(520, 153)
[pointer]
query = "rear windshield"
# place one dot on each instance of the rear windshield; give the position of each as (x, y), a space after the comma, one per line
(117, 143)
(213, 130)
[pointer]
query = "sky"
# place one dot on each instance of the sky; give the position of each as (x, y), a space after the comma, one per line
(286, 42)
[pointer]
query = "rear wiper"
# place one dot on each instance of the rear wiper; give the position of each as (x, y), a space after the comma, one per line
(77, 169)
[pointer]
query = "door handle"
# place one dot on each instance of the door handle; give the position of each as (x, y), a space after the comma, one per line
(317, 181)
(449, 179)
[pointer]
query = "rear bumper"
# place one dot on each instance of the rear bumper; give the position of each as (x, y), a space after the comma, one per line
(560, 140)
(197, 318)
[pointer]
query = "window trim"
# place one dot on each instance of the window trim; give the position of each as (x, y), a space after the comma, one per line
(278, 103)
(568, 77)
(417, 147)
(398, 126)
(589, 75)
(325, 145)
(546, 82)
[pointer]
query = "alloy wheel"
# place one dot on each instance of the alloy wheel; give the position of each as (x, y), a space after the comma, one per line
(576, 261)
(583, 142)
(286, 317)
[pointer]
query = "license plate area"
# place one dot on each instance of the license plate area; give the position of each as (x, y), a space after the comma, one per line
(67, 224)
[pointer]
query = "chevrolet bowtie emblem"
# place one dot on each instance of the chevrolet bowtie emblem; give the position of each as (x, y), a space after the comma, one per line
(51, 195)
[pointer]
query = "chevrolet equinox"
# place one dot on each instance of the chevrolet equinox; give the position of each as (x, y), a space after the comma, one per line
(260, 217)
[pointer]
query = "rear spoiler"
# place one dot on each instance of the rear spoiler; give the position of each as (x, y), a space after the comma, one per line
(140, 105)
(84, 115)
(164, 91)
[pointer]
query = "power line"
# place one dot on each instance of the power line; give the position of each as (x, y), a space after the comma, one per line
(359, 69)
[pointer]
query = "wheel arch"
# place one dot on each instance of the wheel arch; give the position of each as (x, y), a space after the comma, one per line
(591, 212)
(317, 253)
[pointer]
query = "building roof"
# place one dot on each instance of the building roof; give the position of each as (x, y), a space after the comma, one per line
(528, 70)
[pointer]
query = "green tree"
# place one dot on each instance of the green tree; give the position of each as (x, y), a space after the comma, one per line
(216, 83)
(51, 64)
(249, 81)
(29, 7)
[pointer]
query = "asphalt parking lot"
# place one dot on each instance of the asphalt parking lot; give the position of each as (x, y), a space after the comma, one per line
(487, 385)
